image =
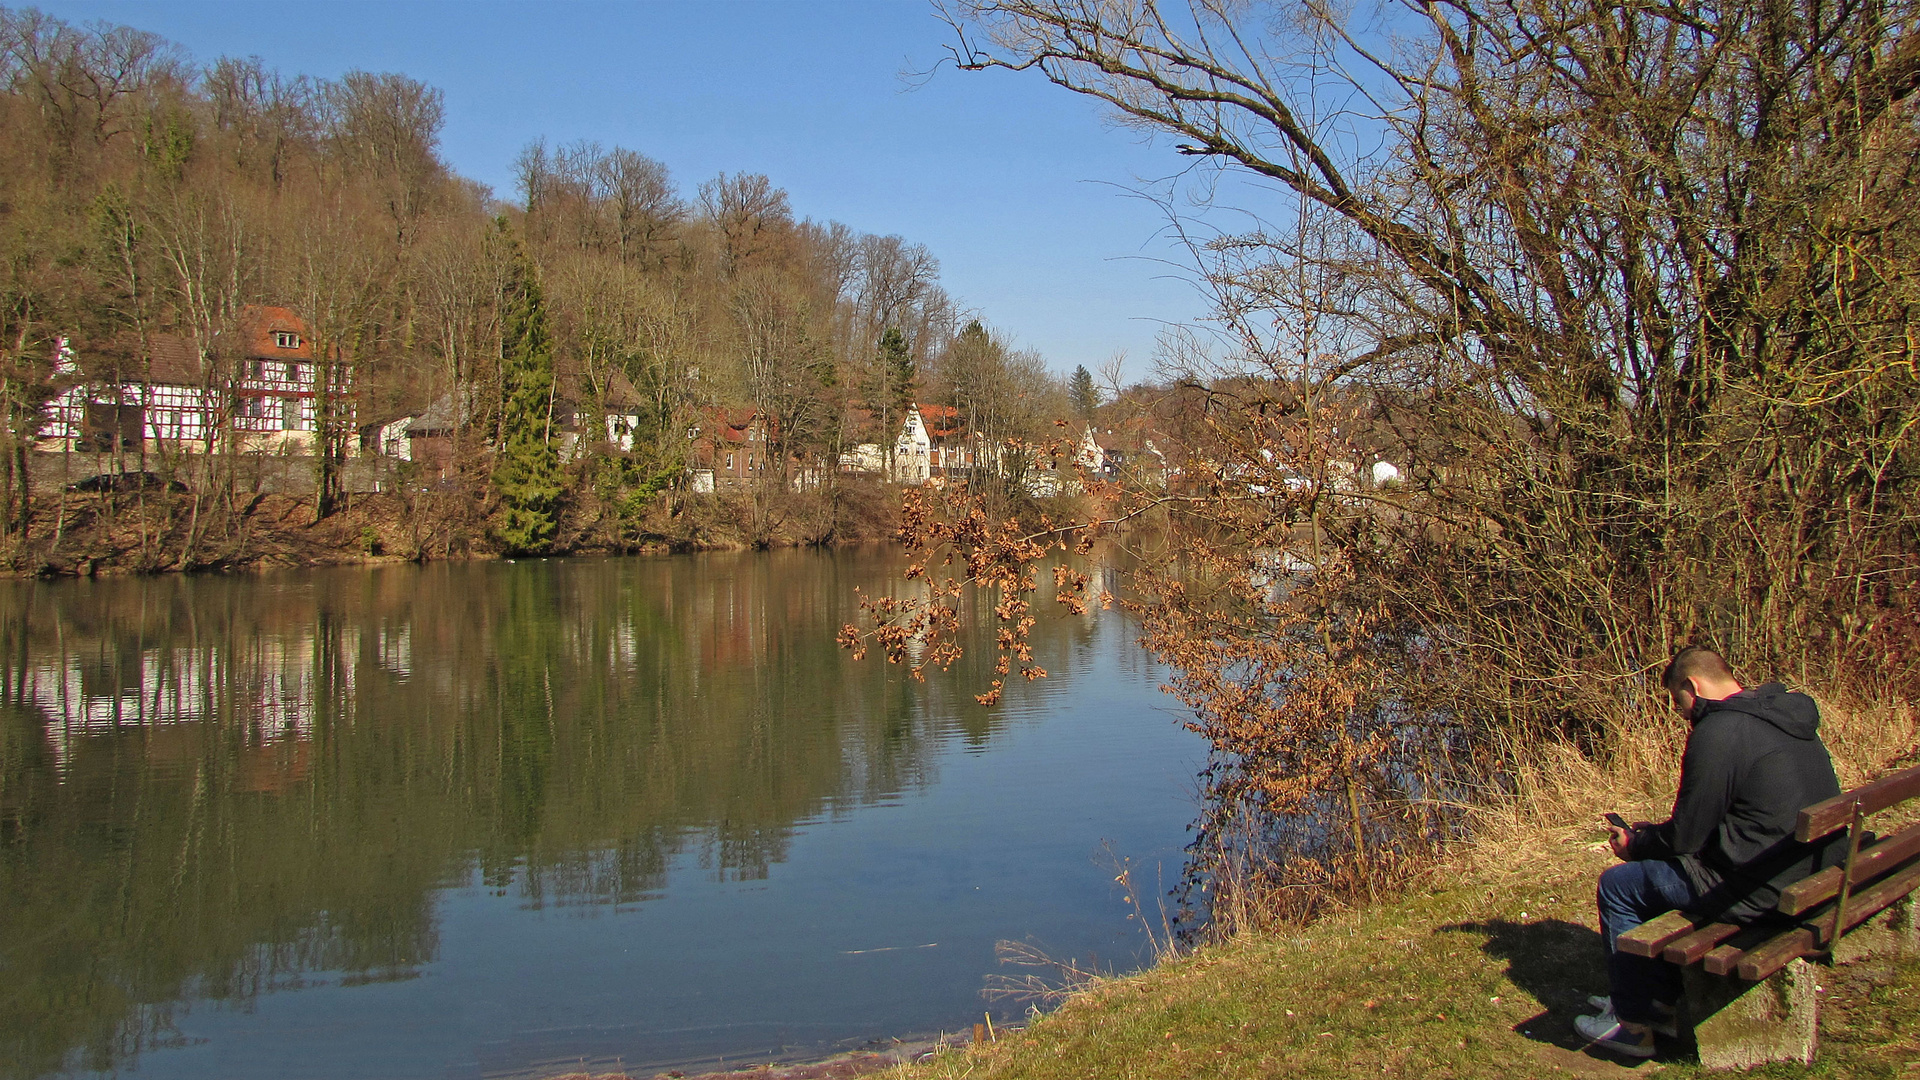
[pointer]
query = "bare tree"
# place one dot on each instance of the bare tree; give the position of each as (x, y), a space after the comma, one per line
(387, 127)
(269, 116)
(645, 208)
(751, 215)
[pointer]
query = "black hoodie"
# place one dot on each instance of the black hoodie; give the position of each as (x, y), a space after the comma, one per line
(1752, 762)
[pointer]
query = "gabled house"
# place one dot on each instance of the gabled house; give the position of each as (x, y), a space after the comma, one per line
(387, 437)
(1088, 453)
(276, 383)
(160, 391)
(951, 450)
(934, 444)
(132, 393)
(605, 410)
(430, 436)
(1133, 450)
(729, 448)
(913, 450)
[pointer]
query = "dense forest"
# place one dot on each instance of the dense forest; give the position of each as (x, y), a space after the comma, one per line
(145, 193)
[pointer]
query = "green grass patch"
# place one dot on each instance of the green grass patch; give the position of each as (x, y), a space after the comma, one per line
(1456, 979)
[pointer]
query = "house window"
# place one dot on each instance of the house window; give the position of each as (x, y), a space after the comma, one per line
(286, 339)
(729, 461)
(296, 373)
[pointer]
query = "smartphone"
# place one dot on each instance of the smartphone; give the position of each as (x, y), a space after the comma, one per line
(1617, 821)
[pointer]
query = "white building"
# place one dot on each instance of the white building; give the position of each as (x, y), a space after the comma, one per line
(913, 450)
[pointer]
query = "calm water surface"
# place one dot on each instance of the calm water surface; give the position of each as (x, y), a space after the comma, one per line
(510, 819)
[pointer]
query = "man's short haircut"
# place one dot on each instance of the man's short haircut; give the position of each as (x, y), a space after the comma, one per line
(1695, 662)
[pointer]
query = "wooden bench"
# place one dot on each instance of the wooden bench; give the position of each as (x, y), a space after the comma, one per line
(1751, 995)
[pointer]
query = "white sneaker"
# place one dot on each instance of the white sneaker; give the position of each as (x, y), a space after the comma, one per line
(1663, 1026)
(1606, 1032)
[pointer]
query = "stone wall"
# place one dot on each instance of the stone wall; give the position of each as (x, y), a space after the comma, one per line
(276, 474)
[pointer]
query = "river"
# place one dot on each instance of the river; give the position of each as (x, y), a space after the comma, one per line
(521, 818)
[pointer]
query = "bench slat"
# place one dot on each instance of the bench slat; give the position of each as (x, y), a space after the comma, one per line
(1723, 960)
(1690, 947)
(1758, 963)
(1721, 957)
(1651, 936)
(1822, 818)
(1872, 861)
(1763, 960)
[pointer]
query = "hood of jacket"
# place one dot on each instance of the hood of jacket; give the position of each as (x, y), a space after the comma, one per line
(1790, 711)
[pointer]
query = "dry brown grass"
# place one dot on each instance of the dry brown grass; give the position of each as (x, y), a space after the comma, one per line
(1560, 793)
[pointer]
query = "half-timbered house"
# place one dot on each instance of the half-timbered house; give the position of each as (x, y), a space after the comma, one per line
(161, 391)
(132, 392)
(278, 382)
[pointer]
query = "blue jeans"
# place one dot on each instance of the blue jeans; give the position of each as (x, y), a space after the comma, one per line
(1630, 894)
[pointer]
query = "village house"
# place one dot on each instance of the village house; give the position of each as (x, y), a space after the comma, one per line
(728, 449)
(951, 451)
(913, 450)
(387, 437)
(131, 393)
(933, 444)
(1088, 454)
(1133, 451)
(603, 410)
(583, 417)
(429, 437)
(159, 391)
(276, 403)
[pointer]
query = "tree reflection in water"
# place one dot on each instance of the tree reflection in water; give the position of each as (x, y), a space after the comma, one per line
(214, 787)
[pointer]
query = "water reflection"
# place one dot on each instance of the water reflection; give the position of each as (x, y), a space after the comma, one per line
(212, 788)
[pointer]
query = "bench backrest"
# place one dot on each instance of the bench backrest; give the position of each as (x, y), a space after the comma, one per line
(1889, 861)
(1825, 818)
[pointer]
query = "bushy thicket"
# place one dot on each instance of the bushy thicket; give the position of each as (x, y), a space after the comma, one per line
(1625, 295)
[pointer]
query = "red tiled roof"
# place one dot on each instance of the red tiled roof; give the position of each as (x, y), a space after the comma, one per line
(732, 425)
(942, 421)
(128, 357)
(259, 323)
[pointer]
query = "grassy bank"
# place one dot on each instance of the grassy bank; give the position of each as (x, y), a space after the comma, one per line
(1480, 978)
(1476, 968)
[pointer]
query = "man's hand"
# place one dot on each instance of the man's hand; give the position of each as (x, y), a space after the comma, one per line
(1619, 840)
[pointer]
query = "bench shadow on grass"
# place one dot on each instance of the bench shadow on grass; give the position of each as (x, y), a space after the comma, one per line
(1557, 962)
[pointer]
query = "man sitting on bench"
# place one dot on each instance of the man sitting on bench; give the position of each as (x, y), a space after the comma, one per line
(1753, 759)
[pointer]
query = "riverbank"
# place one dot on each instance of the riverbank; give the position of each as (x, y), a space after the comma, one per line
(1475, 969)
(160, 531)
(1479, 978)
(1476, 973)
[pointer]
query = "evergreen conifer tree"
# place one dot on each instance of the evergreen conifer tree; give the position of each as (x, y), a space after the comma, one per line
(1086, 397)
(897, 371)
(526, 472)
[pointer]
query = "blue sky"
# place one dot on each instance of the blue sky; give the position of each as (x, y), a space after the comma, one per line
(1023, 190)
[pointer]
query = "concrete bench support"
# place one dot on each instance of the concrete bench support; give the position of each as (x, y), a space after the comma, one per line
(1893, 932)
(1738, 1024)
